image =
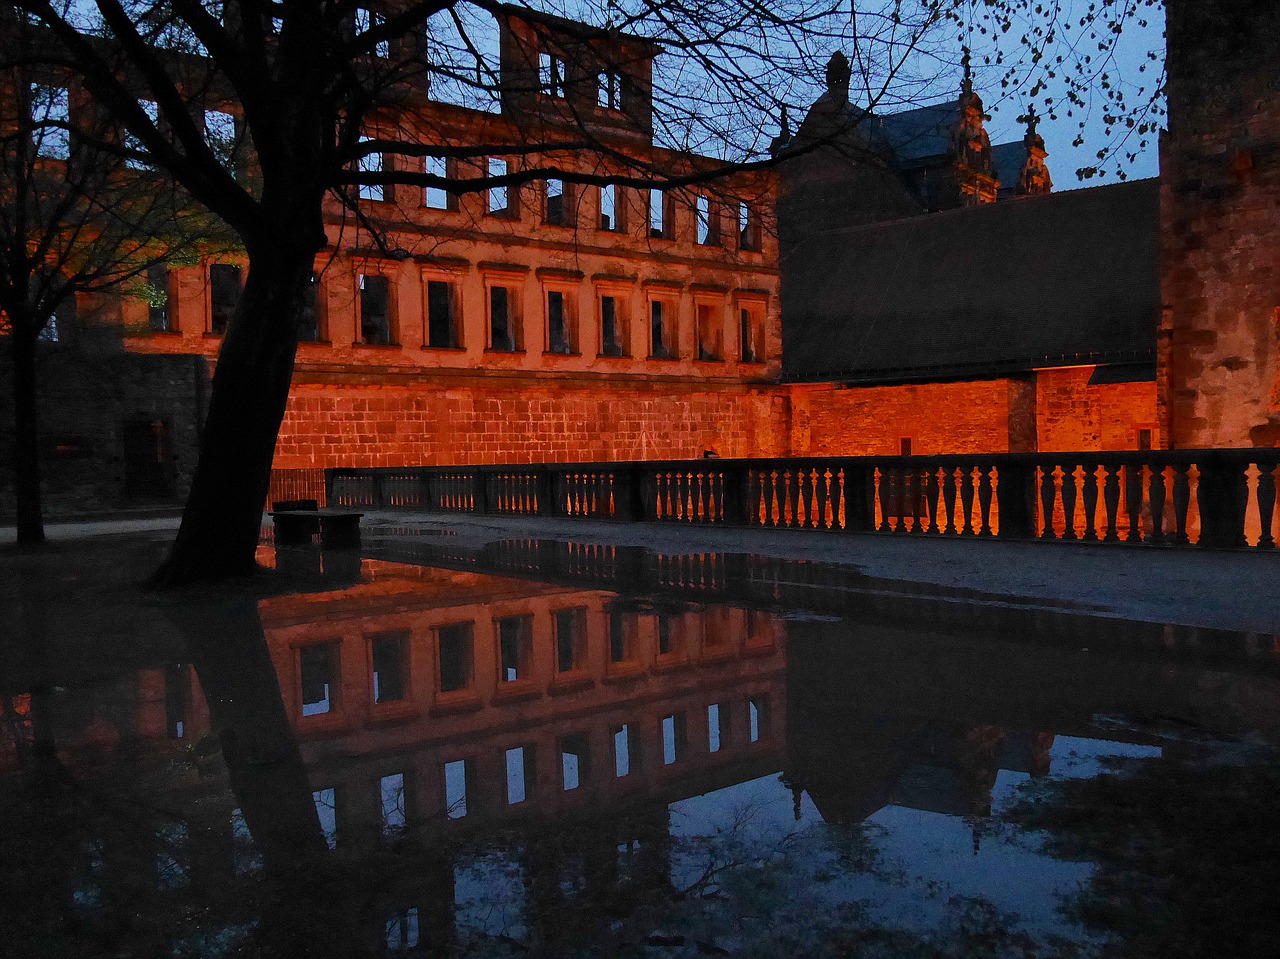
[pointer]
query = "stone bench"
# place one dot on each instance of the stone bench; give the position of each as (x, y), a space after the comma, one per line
(338, 529)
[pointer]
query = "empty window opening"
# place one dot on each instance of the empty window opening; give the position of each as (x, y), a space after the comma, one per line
(659, 214)
(609, 91)
(502, 326)
(661, 341)
(709, 332)
(611, 341)
(438, 197)
(159, 305)
(220, 134)
(621, 628)
(51, 116)
(558, 338)
(499, 196)
(132, 142)
(748, 227)
(708, 226)
(224, 295)
(1144, 439)
(456, 776)
(520, 772)
(758, 717)
(402, 931)
(366, 20)
(455, 656)
(609, 213)
(904, 446)
(674, 738)
(624, 751)
(717, 727)
(375, 309)
(372, 163)
(557, 203)
(442, 328)
(394, 815)
(513, 644)
(748, 336)
(326, 801)
(318, 670)
(575, 761)
(571, 639)
(551, 74)
(309, 315)
(390, 667)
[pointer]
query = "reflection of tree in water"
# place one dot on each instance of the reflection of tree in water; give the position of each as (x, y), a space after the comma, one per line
(1187, 855)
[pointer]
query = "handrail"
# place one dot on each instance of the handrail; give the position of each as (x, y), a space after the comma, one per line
(1223, 498)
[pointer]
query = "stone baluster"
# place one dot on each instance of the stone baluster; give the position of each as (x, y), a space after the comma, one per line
(1181, 502)
(1133, 502)
(1048, 497)
(1090, 497)
(839, 497)
(1157, 505)
(1070, 492)
(911, 488)
(931, 498)
(1266, 502)
(966, 499)
(949, 499)
(822, 487)
(984, 501)
(1111, 502)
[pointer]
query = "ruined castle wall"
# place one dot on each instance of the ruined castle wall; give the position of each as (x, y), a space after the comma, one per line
(1220, 211)
(1074, 414)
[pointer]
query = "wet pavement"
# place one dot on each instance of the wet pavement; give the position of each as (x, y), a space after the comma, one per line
(467, 745)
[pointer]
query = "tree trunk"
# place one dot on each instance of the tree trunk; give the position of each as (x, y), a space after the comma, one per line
(221, 522)
(26, 453)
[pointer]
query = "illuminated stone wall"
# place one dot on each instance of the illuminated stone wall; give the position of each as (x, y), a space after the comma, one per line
(1074, 414)
(1220, 207)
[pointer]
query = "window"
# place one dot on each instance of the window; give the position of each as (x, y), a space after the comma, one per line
(159, 304)
(514, 648)
(710, 334)
(662, 339)
(326, 802)
(371, 163)
(575, 761)
(748, 227)
(455, 656)
(551, 74)
(571, 639)
(394, 812)
(1144, 439)
(621, 635)
(442, 324)
(625, 753)
(758, 718)
(904, 446)
(750, 333)
(670, 638)
(610, 209)
(62, 321)
(609, 91)
(437, 197)
(390, 655)
(457, 775)
(717, 727)
(708, 221)
(50, 115)
(309, 317)
(366, 20)
(559, 323)
(317, 669)
(661, 215)
(502, 319)
(402, 931)
(375, 310)
(224, 295)
(612, 327)
(498, 196)
(220, 134)
(557, 209)
(131, 142)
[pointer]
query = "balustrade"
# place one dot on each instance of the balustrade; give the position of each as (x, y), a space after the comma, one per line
(1208, 498)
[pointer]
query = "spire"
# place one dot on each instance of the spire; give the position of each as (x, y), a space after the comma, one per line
(1033, 179)
(783, 139)
(838, 74)
(966, 84)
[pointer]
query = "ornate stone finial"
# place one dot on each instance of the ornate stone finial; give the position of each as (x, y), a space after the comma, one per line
(783, 139)
(838, 74)
(966, 84)
(1033, 179)
(1032, 120)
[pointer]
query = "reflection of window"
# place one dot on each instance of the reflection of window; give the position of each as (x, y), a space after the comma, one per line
(575, 761)
(514, 648)
(394, 812)
(612, 342)
(717, 727)
(758, 718)
(457, 775)
(675, 738)
(625, 753)
(559, 328)
(621, 635)
(455, 656)
(502, 320)
(571, 639)
(390, 667)
(317, 666)
(442, 325)
(326, 802)
(224, 295)
(520, 774)
(402, 931)
(375, 309)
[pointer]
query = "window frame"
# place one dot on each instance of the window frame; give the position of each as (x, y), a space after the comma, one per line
(393, 335)
(717, 305)
(457, 338)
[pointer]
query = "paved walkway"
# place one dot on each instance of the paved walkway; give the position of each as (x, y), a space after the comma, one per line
(1211, 588)
(1223, 589)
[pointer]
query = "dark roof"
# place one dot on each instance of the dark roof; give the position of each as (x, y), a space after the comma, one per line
(920, 133)
(1006, 287)
(1008, 159)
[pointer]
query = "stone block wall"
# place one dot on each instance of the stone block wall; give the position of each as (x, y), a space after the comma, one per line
(1074, 414)
(1220, 212)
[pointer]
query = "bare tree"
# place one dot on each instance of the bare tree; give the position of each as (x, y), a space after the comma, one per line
(335, 97)
(76, 217)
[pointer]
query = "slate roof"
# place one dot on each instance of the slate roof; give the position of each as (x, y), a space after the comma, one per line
(1056, 280)
(1008, 159)
(921, 133)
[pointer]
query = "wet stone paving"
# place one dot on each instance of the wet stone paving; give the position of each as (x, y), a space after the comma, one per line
(541, 748)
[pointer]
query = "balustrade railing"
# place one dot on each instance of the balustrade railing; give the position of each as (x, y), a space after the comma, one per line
(1218, 498)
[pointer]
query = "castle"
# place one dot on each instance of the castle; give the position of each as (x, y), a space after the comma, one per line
(897, 285)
